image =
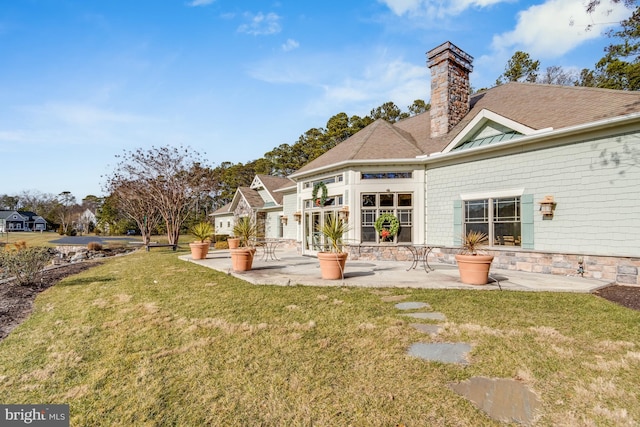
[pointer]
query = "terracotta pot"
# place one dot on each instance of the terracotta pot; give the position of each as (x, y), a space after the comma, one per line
(242, 258)
(474, 269)
(332, 265)
(233, 243)
(199, 250)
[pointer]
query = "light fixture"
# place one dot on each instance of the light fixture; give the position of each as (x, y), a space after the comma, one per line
(284, 219)
(343, 214)
(547, 206)
(297, 216)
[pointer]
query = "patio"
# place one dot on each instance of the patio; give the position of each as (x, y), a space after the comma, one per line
(292, 269)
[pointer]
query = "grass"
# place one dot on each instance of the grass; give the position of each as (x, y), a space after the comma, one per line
(148, 339)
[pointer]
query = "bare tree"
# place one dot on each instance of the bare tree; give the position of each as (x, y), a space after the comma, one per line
(167, 179)
(556, 75)
(131, 198)
(65, 210)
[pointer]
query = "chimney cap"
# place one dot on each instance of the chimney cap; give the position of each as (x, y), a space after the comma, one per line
(448, 50)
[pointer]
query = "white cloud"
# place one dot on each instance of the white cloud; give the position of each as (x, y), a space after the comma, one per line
(290, 44)
(551, 29)
(261, 24)
(195, 3)
(436, 8)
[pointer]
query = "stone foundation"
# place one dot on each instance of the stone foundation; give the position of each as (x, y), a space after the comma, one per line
(622, 270)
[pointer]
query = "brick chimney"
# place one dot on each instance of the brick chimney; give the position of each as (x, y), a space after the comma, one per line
(450, 67)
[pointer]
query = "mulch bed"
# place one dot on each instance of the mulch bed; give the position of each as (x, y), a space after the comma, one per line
(16, 302)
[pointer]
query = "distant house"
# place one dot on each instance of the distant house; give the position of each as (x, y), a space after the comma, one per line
(21, 221)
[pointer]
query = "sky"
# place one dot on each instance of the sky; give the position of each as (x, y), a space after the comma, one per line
(84, 81)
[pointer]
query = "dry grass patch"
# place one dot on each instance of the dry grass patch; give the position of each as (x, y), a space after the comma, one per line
(234, 353)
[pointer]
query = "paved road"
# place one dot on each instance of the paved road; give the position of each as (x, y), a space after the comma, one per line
(84, 240)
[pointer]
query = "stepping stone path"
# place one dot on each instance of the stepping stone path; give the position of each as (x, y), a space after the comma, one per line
(503, 399)
(445, 352)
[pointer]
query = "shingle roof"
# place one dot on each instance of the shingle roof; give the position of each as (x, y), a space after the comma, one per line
(273, 183)
(252, 197)
(534, 105)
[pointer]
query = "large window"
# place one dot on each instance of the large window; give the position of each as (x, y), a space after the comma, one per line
(499, 218)
(398, 204)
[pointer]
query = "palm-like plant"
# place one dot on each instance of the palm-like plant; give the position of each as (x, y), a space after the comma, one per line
(472, 242)
(245, 229)
(334, 230)
(203, 231)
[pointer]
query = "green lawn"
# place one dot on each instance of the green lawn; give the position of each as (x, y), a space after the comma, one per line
(147, 339)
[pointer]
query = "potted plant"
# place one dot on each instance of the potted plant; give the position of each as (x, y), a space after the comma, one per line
(245, 230)
(203, 231)
(474, 266)
(234, 242)
(332, 262)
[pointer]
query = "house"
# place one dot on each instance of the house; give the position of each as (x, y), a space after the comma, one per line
(550, 173)
(11, 220)
(263, 202)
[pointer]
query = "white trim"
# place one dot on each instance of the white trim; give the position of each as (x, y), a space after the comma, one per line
(492, 194)
(481, 120)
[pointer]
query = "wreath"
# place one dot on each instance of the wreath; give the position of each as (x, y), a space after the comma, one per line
(319, 201)
(392, 228)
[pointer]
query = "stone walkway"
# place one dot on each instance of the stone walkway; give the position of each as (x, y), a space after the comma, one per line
(502, 399)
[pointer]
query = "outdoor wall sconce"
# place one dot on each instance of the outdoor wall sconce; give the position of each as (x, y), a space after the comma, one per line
(284, 219)
(547, 206)
(297, 216)
(343, 214)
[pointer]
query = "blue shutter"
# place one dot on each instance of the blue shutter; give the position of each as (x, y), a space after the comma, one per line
(457, 222)
(527, 209)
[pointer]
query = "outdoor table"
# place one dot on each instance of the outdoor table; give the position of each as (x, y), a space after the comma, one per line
(420, 254)
(269, 248)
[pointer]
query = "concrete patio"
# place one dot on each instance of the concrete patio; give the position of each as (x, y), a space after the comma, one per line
(292, 269)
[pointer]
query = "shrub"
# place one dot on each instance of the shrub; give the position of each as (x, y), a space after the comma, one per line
(94, 246)
(20, 244)
(221, 245)
(25, 264)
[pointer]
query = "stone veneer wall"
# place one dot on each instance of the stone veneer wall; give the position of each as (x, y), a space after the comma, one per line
(622, 270)
(450, 87)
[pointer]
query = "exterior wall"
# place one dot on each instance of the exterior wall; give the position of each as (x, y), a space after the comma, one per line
(271, 225)
(225, 219)
(289, 207)
(597, 202)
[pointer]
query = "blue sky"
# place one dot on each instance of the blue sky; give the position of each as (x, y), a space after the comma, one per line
(83, 80)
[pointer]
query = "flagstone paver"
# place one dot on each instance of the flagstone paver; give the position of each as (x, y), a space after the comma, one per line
(502, 399)
(412, 305)
(441, 352)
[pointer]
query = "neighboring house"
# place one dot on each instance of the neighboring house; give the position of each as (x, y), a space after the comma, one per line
(21, 221)
(550, 173)
(262, 201)
(86, 222)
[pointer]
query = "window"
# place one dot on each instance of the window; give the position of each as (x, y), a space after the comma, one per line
(330, 180)
(499, 218)
(330, 201)
(398, 204)
(385, 175)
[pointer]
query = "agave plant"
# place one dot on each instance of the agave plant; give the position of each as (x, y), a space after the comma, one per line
(472, 242)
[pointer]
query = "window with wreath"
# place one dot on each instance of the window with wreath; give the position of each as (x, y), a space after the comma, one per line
(499, 218)
(387, 217)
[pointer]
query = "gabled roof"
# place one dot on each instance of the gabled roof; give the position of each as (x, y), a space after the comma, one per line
(271, 183)
(534, 107)
(6, 214)
(225, 210)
